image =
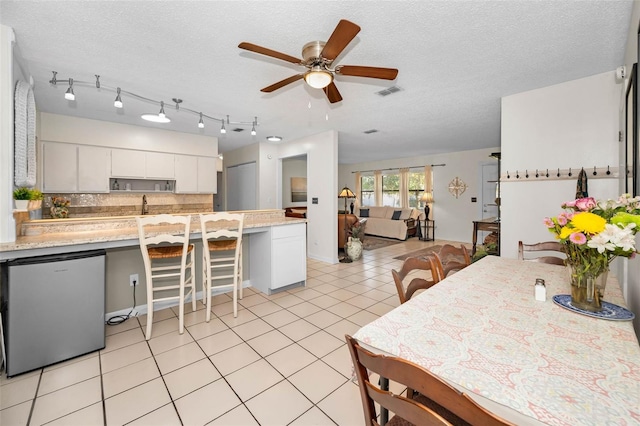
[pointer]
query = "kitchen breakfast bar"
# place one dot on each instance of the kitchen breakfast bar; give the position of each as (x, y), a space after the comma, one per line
(276, 249)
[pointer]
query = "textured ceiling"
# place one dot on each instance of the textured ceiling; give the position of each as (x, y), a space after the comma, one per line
(456, 59)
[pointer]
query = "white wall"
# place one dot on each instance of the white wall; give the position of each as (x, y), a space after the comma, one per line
(7, 81)
(83, 131)
(574, 124)
(322, 181)
(453, 216)
(268, 172)
(292, 167)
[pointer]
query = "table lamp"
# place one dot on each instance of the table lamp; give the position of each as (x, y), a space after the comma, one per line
(345, 193)
(427, 198)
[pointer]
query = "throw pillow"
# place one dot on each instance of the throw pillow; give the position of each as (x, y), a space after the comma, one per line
(396, 215)
(364, 212)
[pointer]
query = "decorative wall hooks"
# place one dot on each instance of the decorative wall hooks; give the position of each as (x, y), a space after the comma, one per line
(559, 174)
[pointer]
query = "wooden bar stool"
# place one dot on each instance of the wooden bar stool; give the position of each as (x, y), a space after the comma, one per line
(221, 233)
(164, 240)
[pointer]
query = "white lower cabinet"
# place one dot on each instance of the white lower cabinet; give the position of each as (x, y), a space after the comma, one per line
(278, 257)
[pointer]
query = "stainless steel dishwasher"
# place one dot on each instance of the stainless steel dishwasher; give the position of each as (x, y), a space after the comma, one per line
(52, 308)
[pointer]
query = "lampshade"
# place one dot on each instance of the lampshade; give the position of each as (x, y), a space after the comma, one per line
(346, 193)
(318, 78)
(427, 197)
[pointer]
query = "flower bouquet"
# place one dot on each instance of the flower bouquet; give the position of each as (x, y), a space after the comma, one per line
(593, 233)
(59, 207)
(357, 230)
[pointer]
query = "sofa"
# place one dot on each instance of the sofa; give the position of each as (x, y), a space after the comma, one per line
(300, 212)
(390, 222)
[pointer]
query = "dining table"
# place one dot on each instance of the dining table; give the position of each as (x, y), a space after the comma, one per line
(529, 362)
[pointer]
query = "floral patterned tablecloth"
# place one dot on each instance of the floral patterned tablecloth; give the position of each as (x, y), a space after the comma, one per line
(482, 330)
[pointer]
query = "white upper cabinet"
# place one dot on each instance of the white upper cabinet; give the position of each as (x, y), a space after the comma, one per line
(207, 175)
(186, 174)
(93, 168)
(128, 163)
(159, 165)
(60, 167)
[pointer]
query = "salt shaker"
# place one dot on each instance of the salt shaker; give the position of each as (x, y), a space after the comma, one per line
(540, 290)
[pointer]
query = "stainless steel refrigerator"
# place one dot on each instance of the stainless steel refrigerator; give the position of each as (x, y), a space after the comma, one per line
(52, 308)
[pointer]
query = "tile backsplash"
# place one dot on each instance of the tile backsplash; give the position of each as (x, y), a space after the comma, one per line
(96, 205)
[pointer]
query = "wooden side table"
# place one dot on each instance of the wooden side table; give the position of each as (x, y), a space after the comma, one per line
(425, 225)
(491, 224)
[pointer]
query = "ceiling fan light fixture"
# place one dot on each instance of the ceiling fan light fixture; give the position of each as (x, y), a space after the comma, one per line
(318, 78)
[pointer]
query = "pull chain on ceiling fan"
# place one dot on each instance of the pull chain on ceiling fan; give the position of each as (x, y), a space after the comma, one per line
(318, 57)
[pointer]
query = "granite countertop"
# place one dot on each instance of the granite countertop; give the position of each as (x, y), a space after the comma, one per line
(41, 234)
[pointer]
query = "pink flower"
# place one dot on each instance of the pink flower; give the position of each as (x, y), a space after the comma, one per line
(549, 223)
(562, 219)
(569, 204)
(578, 238)
(569, 215)
(586, 204)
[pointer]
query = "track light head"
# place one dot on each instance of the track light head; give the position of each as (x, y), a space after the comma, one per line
(161, 113)
(118, 102)
(69, 95)
(253, 127)
(201, 122)
(223, 130)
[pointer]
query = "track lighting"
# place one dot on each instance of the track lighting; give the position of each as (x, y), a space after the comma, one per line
(118, 102)
(160, 117)
(69, 95)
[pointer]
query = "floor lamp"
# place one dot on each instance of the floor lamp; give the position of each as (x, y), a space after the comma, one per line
(345, 193)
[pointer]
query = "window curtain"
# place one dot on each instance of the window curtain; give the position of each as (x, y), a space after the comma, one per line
(377, 180)
(428, 183)
(358, 190)
(404, 188)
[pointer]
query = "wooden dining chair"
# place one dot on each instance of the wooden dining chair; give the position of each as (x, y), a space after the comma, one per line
(453, 258)
(436, 402)
(415, 264)
(553, 246)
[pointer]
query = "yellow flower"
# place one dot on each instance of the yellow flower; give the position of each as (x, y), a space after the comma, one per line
(589, 223)
(565, 232)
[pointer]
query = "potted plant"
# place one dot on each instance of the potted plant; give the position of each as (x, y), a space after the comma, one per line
(22, 196)
(35, 199)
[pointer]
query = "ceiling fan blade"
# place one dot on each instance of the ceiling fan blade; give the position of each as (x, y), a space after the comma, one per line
(282, 83)
(332, 93)
(343, 34)
(268, 52)
(371, 72)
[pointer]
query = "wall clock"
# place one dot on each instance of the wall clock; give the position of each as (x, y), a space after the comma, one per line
(457, 187)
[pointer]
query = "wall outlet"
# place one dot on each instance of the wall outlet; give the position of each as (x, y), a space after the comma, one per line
(134, 280)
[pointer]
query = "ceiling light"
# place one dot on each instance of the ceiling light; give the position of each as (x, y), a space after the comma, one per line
(318, 77)
(253, 127)
(201, 122)
(274, 138)
(157, 118)
(69, 95)
(222, 129)
(118, 102)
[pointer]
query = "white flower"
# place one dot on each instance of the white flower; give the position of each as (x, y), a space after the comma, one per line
(613, 237)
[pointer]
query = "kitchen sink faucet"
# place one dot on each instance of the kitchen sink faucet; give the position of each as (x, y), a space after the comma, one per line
(145, 206)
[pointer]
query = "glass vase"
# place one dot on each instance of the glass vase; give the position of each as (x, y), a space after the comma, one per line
(587, 289)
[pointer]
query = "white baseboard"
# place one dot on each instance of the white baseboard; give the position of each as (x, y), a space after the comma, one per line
(143, 309)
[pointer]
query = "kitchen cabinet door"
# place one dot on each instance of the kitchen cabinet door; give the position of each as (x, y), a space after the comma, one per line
(186, 169)
(288, 255)
(128, 163)
(207, 175)
(159, 165)
(93, 168)
(60, 167)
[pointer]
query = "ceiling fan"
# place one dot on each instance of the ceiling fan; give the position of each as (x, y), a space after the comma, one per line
(318, 56)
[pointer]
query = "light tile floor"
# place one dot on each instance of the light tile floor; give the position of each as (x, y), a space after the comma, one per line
(282, 361)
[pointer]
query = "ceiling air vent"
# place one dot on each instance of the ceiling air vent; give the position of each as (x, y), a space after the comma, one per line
(368, 132)
(238, 129)
(388, 91)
